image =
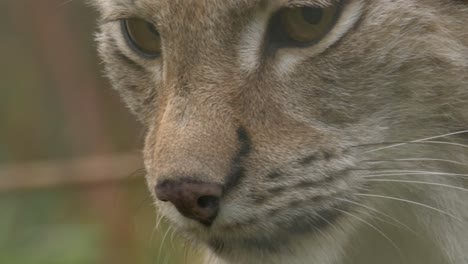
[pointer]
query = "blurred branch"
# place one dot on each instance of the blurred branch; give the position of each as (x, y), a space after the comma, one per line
(85, 171)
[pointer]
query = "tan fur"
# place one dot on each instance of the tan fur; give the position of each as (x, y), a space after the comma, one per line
(390, 71)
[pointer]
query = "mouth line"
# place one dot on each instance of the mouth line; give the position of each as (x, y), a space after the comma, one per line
(282, 233)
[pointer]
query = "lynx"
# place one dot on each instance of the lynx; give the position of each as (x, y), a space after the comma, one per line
(301, 131)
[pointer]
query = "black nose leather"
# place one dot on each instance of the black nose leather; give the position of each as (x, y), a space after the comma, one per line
(195, 200)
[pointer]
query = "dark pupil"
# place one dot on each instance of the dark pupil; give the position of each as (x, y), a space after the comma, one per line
(152, 29)
(312, 15)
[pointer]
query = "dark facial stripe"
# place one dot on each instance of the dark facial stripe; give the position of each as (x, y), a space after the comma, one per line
(304, 184)
(150, 98)
(277, 190)
(127, 60)
(320, 183)
(237, 171)
(308, 160)
(244, 141)
(217, 245)
(315, 221)
(274, 174)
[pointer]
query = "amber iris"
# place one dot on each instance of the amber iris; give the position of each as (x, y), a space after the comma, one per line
(142, 37)
(308, 24)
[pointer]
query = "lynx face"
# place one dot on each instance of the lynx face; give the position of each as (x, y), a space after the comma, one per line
(294, 131)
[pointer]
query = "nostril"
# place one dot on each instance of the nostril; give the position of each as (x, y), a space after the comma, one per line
(196, 200)
(208, 201)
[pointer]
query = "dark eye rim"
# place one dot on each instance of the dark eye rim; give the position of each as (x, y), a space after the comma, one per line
(277, 37)
(131, 43)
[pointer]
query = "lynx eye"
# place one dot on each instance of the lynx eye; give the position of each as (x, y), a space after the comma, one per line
(142, 37)
(307, 25)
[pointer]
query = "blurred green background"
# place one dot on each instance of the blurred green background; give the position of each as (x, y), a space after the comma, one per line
(71, 188)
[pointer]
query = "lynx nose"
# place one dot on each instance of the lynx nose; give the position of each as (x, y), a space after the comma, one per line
(195, 200)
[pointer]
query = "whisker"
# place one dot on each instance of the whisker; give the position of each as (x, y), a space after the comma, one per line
(420, 182)
(153, 232)
(373, 216)
(159, 218)
(186, 249)
(409, 202)
(415, 171)
(137, 172)
(374, 169)
(162, 244)
(327, 221)
(447, 143)
(386, 173)
(387, 143)
(418, 140)
(376, 229)
(399, 223)
(172, 239)
(156, 227)
(416, 160)
(400, 143)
